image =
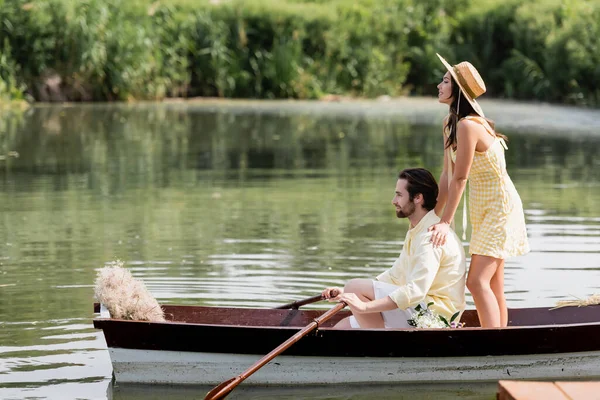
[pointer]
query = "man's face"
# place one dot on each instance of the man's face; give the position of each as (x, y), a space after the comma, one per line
(404, 207)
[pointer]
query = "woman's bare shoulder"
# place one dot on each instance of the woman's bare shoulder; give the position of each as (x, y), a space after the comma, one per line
(470, 125)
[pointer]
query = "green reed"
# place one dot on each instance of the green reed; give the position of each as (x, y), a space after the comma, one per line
(141, 49)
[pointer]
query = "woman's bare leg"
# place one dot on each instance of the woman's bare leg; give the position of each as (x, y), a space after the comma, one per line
(363, 288)
(481, 272)
(497, 285)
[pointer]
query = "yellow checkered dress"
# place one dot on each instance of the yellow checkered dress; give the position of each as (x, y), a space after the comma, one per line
(496, 210)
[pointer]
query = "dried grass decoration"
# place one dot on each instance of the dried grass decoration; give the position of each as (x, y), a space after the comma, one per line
(124, 296)
(590, 301)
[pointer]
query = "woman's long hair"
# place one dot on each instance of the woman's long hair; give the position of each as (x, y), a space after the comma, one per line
(465, 109)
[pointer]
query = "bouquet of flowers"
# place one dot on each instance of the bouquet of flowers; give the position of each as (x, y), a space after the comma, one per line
(426, 318)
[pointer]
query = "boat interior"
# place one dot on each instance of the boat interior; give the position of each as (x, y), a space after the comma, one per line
(302, 317)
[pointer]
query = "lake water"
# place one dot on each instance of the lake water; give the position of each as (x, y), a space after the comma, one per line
(248, 204)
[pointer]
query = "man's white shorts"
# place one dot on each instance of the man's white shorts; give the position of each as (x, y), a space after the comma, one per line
(392, 319)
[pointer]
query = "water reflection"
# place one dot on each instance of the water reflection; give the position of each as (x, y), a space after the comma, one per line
(347, 392)
(240, 208)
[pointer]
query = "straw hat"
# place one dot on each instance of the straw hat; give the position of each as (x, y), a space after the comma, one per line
(469, 81)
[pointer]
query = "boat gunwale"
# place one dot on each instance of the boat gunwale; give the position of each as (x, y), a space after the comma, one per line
(530, 310)
(297, 328)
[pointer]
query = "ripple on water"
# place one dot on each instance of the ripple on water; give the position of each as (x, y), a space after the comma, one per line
(72, 349)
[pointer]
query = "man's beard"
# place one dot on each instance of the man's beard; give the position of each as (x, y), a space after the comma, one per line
(407, 211)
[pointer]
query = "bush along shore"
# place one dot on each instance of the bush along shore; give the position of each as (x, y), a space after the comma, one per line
(115, 50)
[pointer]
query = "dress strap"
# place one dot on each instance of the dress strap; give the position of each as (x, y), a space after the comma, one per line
(464, 233)
(503, 143)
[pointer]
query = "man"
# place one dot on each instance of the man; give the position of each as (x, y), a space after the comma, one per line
(422, 274)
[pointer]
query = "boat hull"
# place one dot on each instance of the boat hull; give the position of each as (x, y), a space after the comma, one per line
(201, 368)
(208, 345)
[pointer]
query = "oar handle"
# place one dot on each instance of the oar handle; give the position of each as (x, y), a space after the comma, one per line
(226, 387)
(299, 303)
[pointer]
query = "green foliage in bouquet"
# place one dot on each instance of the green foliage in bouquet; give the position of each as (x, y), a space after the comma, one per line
(424, 317)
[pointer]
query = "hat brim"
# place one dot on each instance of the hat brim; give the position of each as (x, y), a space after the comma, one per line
(471, 100)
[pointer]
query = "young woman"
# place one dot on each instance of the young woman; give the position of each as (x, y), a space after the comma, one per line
(474, 151)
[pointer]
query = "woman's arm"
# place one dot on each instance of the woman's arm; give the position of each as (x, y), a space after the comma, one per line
(466, 142)
(466, 139)
(443, 185)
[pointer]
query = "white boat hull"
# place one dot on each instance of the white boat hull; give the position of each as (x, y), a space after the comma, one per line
(173, 367)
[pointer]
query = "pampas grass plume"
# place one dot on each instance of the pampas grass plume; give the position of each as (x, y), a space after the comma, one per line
(590, 301)
(124, 296)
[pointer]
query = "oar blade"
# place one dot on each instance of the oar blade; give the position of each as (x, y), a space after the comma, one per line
(222, 390)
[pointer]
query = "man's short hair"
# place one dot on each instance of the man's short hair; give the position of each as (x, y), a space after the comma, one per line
(419, 180)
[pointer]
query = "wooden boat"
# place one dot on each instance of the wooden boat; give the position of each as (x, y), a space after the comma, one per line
(207, 345)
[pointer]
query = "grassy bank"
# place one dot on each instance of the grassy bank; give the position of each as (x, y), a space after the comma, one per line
(85, 50)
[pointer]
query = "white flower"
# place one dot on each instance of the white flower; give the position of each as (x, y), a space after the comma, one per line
(428, 320)
(423, 317)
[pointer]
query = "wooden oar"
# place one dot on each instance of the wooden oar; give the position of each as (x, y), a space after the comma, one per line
(226, 387)
(299, 303)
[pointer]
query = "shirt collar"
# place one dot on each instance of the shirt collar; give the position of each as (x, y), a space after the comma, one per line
(428, 219)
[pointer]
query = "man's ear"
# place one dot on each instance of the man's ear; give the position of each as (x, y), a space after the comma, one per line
(418, 199)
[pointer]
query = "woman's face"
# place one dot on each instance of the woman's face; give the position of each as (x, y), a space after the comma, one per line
(445, 89)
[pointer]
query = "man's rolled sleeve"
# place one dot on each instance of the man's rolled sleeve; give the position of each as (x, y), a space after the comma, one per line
(424, 267)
